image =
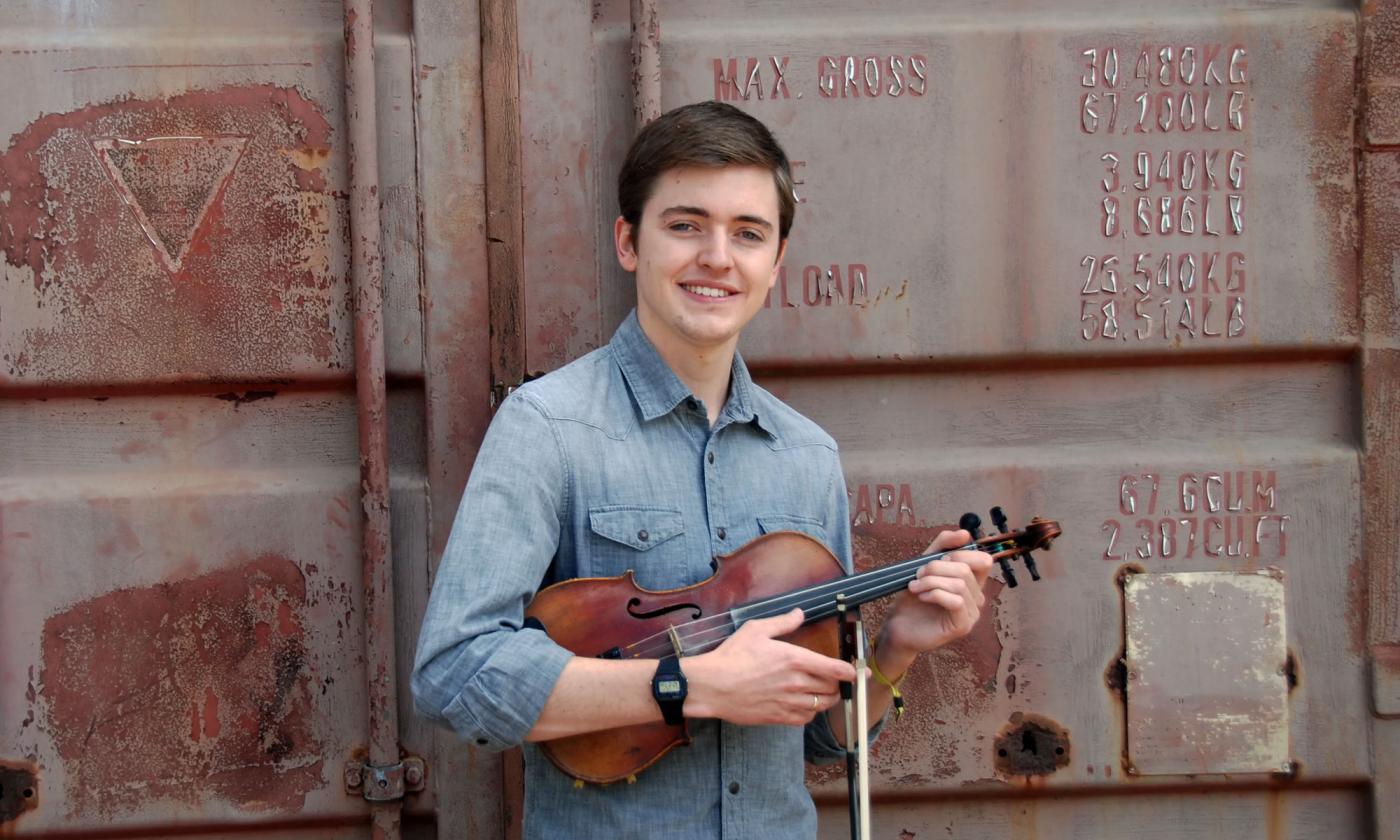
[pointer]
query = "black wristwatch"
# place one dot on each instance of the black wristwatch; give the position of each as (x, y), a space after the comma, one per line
(668, 687)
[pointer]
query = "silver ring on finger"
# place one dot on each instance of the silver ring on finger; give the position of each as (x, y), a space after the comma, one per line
(815, 702)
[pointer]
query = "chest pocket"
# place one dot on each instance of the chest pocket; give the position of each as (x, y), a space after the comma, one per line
(770, 522)
(646, 540)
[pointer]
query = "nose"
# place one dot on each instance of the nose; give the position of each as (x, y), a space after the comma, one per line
(715, 254)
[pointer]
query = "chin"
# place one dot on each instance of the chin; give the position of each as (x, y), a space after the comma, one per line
(708, 334)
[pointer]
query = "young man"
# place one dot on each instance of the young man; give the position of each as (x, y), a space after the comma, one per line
(657, 453)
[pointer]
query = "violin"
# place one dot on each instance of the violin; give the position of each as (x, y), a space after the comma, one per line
(614, 618)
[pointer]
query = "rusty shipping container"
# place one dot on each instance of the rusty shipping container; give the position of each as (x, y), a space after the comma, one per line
(268, 265)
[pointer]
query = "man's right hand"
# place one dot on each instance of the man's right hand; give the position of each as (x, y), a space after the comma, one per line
(753, 678)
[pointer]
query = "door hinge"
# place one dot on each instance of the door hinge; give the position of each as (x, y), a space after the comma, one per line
(385, 783)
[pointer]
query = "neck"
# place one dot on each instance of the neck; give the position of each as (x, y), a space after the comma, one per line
(704, 370)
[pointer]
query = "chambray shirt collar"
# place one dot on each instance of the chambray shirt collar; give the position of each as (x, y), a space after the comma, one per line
(657, 390)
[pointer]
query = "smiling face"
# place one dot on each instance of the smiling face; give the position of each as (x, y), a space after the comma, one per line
(705, 253)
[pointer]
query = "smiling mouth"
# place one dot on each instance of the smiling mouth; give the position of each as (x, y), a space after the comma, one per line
(706, 291)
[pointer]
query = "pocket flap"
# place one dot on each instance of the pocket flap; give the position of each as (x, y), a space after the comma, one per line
(637, 527)
(770, 522)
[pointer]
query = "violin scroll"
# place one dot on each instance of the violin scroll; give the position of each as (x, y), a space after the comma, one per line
(1007, 545)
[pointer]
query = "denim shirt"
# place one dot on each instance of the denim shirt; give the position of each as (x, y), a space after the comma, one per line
(574, 468)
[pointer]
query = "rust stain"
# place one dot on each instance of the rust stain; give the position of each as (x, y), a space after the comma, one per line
(1373, 580)
(256, 286)
(225, 652)
(350, 18)
(1031, 745)
(973, 660)
(1275, 816)
(1332, 166)
(245, 397)
(1381, 25)
(186, 66)
(19, 790)
(961, 678)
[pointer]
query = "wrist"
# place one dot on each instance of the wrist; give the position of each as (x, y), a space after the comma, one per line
(892, 657)
(698, 700)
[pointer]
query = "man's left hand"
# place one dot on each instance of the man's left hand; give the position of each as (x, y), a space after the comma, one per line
(941, 604)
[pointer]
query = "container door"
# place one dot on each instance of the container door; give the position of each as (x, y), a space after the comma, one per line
(1082, 261)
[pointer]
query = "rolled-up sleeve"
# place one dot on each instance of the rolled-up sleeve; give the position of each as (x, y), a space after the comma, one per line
(819, 742)
(477, 669)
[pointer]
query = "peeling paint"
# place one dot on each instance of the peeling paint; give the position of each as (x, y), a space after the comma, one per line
(225, 653)
(185, 238)
(1207, 673)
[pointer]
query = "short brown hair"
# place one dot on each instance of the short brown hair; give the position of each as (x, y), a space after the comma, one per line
(702, 134)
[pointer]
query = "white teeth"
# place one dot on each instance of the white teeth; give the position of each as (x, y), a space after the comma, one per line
(706, 291)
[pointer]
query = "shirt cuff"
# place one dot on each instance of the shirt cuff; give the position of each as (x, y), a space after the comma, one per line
(498, 707)
(819, 745)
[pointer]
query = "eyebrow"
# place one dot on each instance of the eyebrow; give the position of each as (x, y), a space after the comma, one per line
(686, 210)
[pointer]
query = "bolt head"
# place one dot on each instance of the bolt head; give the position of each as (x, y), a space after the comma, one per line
(414, 775)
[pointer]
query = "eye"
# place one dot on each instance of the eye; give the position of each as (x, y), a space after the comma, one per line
(682, 227)
(751, 235)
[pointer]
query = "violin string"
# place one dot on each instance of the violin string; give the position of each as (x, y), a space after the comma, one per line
(723, 620)
(817, 602)
(816, 610)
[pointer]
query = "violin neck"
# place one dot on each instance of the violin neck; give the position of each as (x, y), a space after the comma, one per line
(824, 600)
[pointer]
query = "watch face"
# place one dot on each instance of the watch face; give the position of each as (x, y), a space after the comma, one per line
(670, 686)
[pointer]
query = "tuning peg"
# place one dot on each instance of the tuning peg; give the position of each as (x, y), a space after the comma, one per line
(971, 523)
(1010, 576)
(999, 520)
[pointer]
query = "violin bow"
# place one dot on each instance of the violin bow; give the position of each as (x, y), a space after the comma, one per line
(862, 730)
(853, 649)
(848, 654)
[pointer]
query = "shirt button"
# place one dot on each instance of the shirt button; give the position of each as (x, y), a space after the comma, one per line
(643, 535)
(734, 788)
(720, 533)
(711, 458)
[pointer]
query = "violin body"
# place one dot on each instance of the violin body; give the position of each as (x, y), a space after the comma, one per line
(614, 618)
(601, 617)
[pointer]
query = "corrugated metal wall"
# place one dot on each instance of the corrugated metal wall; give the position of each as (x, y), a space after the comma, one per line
(1131, 268)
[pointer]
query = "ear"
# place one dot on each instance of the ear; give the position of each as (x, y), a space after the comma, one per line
(625, 243)
(778, 263)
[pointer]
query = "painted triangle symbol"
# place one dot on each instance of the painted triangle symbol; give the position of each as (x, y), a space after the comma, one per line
(170, 183)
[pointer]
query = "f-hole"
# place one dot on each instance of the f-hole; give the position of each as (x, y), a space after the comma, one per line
(637, 602)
